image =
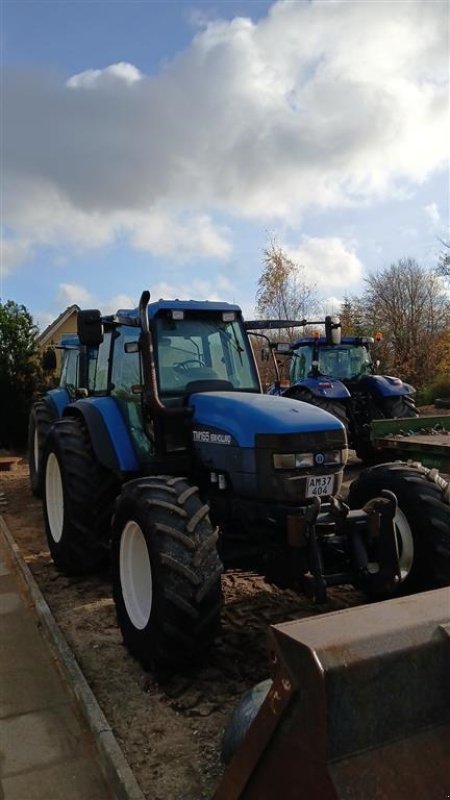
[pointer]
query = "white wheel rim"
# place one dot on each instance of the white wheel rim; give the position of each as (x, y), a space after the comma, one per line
(136, 575)
(405, 544)
(54, 498)
(36, 449)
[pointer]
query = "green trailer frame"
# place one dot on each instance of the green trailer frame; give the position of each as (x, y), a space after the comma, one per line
(424, 439)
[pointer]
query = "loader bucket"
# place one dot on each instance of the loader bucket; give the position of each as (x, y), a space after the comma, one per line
(359, 708)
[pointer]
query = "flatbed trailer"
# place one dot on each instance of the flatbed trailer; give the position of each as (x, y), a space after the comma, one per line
(424, 439)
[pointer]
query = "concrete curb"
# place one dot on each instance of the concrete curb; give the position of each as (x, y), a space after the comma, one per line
(112, 760)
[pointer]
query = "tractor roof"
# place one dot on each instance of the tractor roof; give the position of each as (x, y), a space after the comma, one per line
(358, 340)
(180, 305)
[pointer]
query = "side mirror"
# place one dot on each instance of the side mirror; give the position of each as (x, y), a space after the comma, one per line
(90, 327)
(283, 348)
(49, 360)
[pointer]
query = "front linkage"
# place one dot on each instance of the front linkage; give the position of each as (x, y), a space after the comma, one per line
(366, 537)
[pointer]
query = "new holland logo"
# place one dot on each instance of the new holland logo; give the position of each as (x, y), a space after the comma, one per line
(319, 458)
(211, 438)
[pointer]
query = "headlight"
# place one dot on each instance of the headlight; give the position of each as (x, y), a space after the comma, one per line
(303, 460)
(293, 460)
(334, 457)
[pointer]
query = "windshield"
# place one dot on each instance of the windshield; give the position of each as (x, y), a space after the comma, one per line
(203, 348)
(344, 363)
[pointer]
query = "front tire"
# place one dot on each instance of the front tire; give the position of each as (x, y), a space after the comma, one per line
(42, 416)
(78, 500)
(166, 572)
(333, 407)
(422, 523)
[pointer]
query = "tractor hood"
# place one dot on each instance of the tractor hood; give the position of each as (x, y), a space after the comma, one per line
(244, 416)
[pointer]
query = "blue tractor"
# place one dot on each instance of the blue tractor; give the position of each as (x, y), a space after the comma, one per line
(77, 368)
(337, 373)
(177, 466)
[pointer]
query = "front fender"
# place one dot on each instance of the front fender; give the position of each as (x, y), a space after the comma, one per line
(328, 388)
(109, 435)
(59, 398)
(386, 386)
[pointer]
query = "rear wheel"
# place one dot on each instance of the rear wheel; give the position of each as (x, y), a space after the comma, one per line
(78, 500)
(398, 407)
(166, 572)
(422, 522)
(42, 416)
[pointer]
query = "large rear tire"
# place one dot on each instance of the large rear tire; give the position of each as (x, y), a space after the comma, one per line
(78, 500)
(387, 408)
(399, 407)
(422, 522)
(42, 416)
(166, 572)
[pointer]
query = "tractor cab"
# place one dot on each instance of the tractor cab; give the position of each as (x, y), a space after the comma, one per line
(201, 350)
(347, 361)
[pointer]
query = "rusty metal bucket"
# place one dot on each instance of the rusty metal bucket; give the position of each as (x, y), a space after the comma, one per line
(359, 708)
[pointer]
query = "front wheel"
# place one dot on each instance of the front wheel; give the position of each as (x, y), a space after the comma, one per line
(422, 522)
(42, 416)
(78, 500)
(166, 572)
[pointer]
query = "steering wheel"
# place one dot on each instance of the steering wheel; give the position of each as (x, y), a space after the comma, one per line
(183, 366)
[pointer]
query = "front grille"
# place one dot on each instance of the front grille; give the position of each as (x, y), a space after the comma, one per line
(308, 442)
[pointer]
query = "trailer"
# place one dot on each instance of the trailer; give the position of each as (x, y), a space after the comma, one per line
(422, 439)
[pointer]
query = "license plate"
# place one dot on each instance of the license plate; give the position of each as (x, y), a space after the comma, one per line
(319, 485)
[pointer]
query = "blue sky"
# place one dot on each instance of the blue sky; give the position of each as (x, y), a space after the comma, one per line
(159, 145)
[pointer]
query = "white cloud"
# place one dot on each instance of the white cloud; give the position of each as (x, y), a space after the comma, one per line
(352, 108)
(113, 304)
(329, 263)
(433, 214)
(218, 289)
(12, 253)
(331, 305)
(110, 76)
(181, 238)
(70, 294)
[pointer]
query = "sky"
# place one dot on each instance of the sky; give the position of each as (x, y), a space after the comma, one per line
(162, 145)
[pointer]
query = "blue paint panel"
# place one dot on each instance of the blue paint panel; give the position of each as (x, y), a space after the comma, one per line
(386, 386)
(60, 399)
(245, 415)
(328, 388)
(115, 423)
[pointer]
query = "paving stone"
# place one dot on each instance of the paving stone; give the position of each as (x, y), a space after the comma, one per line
(4, 568)
(77, 779)
(19, 634)
(39, 739)
(23, 690)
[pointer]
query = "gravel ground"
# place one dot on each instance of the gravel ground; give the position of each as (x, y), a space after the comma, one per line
(170, 731)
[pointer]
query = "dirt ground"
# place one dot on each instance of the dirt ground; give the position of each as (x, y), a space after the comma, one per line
(169, 731)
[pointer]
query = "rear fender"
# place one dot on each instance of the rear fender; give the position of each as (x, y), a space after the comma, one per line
(328, 388)
(386, 386)
(109, 435)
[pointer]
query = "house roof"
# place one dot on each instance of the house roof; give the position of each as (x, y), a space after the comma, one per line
(52, 329)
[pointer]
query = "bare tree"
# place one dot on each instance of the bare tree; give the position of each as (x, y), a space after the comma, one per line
(409, 305)
(283, 293)
(444, 260)
(283, 289)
